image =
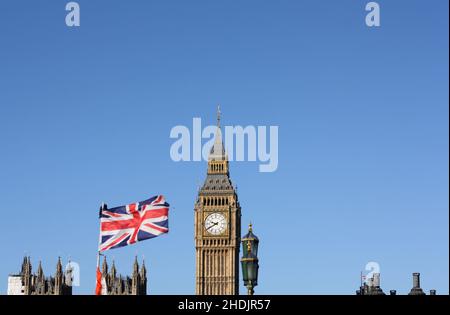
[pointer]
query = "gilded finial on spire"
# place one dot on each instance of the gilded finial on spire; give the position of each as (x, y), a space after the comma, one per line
(250, 227)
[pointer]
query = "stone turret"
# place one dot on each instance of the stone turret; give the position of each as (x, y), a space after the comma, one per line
(26, 275)
(39, 280)
(135, 278)
(143, 275)
(58, 278)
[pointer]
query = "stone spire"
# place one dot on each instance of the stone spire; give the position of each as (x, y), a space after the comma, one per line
(120, 285)
(39, 283)
(58, 278)
(135, 278)
(135, 266)
(59, 266)
(143, 275)
(217, 152)
(113, 270)
(217, 159)
(26, 275)
(143, 270)
(40, 272)
(104, 267)
(26, 265)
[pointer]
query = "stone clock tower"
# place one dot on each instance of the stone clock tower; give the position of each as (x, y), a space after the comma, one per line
(217, 227)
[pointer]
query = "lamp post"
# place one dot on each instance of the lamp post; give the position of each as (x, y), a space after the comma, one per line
(249, 260)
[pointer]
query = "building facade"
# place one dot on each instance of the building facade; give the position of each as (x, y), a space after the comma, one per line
(372, 286)
(115, 284)
(217, 224)
(28, 283)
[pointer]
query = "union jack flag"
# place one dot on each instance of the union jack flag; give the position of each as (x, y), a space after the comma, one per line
(132, 223)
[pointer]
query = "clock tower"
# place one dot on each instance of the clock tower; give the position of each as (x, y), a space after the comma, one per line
(217, 217)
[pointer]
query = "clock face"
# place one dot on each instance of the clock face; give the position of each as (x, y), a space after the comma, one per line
(215, 224)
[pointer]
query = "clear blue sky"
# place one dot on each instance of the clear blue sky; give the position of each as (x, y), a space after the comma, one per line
(85, 117)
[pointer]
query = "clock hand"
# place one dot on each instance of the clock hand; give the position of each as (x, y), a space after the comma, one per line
(215, 223)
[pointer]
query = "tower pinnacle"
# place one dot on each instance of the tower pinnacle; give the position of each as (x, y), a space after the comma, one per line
(218, 116)
(217, 152)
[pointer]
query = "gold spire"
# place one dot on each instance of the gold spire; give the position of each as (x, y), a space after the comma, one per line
(250, 227)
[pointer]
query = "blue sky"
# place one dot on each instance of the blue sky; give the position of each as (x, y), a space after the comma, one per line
(86, 113)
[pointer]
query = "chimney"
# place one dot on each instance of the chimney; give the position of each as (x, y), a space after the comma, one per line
(416, 290)
(432, 292)
(416, 280)
(393, 292)
(376, 279)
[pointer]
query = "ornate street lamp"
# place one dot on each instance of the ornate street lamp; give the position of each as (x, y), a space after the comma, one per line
(249, 260)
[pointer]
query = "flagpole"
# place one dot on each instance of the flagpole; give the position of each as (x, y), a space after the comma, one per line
(102, 207)
(98, 248)
(99, 235)
(360, 278)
